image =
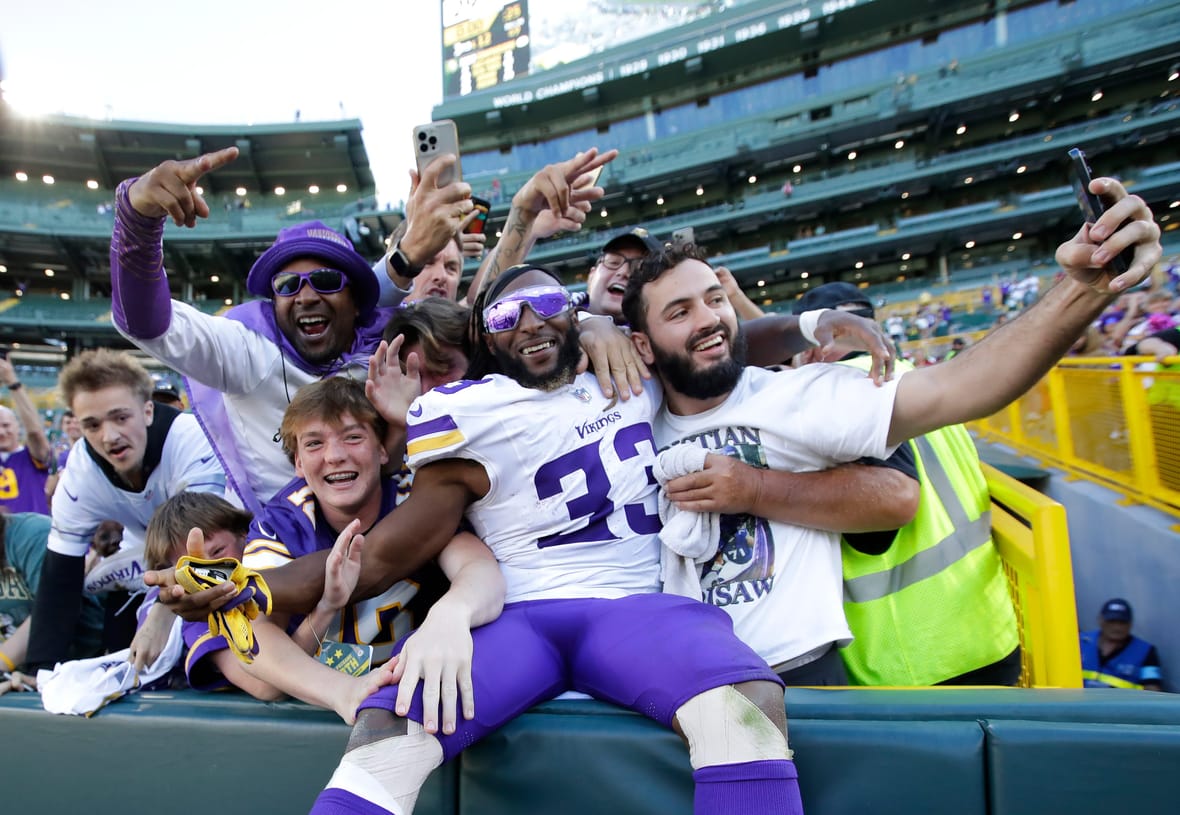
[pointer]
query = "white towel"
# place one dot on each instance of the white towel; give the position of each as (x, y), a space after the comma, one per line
(82, 686)
(689, 538)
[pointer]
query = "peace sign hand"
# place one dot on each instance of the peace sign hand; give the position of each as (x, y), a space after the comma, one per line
(171, 188)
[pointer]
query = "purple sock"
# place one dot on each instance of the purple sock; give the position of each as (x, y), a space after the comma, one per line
(745, 789)
(334, 801)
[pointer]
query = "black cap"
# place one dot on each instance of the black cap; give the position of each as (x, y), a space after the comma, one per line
(1116, 610)
(832, 295)
(165, 390)
(636, 236)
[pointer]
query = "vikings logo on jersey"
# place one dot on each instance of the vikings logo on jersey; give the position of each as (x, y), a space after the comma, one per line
(743, 569)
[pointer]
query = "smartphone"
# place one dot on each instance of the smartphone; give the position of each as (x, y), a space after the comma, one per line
(683, 237)
(1092, 206)
(477, 226)
(595, 174)
(435, 139)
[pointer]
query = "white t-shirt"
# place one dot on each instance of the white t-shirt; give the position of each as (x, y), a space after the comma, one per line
(571, 512)
(782, 583)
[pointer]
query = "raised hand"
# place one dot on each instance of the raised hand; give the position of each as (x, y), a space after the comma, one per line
(560, 195)
(1126, 222)
(390, 390)
(343, 567)
(839, 332)
(171, 188)
(434, 214)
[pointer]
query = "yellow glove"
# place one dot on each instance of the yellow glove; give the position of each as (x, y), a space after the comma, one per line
(232, 620)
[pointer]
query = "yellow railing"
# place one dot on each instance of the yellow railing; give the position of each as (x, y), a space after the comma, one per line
(937, 347)
(1115, 420)
(1032, 537)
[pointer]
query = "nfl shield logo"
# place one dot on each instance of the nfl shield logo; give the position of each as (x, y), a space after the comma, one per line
(582, 394)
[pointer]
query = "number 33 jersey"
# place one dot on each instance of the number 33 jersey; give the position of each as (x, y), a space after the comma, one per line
(572, 507)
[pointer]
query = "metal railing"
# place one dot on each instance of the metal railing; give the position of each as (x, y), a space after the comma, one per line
(1113, 420)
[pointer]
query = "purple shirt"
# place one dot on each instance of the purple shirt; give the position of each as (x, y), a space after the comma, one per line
(22, 482)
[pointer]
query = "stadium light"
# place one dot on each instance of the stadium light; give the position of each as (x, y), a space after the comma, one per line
(314, 189)
(1174, 72)
(1021, 170)
(968, 179)
(969, 245)
(214, 278)
(905, 256)
(3, 269)
(65, 295)
(1013, 116)
(1096, 95)
(49, 272)
(48, 179)
(761, 282)
(860, 264)
(905, 195)
(603, 213)
(280, 190)
(700, 190)
(960, 130)
(798, 168)
(900, 143)
(1017, 236)
(1174, 204)
(805, 275)
(752, 179)
(341, 188)
(21, 175)
(240, 192)
(852, 155)
(660, 201)
(229, 301)
(91, 184)
(200, 190)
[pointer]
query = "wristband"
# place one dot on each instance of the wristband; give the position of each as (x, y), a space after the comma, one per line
(8, 661)
(808, 320)
(15, 386)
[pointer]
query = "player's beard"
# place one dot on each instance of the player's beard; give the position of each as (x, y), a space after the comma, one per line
(680, 374)
(562, 372)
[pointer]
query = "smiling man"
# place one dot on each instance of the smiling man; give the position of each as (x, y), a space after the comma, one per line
(554, 476)
(333, 436)
(135, 454)
(440, 276)
(815, 417)
(607, 279)
(318, 317)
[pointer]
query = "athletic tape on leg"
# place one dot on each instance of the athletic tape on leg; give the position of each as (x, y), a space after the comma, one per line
(722, 726)
(390, 772)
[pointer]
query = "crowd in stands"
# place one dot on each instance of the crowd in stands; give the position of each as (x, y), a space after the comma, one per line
(384, 488)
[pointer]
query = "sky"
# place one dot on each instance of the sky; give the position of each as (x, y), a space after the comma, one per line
(233, 62)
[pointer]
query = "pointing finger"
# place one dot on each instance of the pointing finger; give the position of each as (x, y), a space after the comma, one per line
(193, 169)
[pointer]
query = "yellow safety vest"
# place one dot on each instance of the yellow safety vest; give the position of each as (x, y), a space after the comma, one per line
(936, 604)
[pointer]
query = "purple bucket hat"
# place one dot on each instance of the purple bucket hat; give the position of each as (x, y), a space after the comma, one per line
(315, 240)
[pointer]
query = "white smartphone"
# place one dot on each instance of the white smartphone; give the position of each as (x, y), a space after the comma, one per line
(435, 139)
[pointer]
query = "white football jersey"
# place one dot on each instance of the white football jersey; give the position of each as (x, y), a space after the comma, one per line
(571, 511)
(85, 496)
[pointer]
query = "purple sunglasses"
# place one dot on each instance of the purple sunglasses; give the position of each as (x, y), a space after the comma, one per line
(545, 301)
